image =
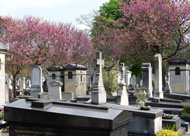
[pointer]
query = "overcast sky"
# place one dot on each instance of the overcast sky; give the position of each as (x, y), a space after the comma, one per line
(65, 11)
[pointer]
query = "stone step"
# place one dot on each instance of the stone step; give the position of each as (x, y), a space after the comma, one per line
(182, 131)
(185, 125)
(188, 132)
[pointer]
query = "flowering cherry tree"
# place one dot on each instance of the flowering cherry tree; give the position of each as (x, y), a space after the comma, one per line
(34, 41)
(154, 26)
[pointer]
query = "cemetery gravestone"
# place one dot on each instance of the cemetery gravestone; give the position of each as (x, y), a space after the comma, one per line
(158, 76)
(23, 84)
(6, 89)
(44, 95)
(58, 118)
(127, 77)
(123, 94)
(179, 75)
(67, 96)
(98, 94)
(56, 89)
(3, 50)
(167, 85)
(36, 82)
(141, 83)
(147, 78)
(28, 83)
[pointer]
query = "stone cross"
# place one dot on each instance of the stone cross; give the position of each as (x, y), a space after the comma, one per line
(122, 98)
(98, 94)
(122, 70)
(98, 64)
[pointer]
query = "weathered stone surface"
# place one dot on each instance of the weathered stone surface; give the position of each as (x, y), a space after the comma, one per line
(98, 95)
(123, 94)
(158, 76)
(36, 81)
(65, 119)
(147, 78)
(55, 92)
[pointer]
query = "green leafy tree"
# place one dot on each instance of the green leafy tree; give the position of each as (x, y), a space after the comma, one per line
(110, 80)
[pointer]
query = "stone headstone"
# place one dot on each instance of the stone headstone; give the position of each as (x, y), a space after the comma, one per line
(36, 81)
(147, 78)
(56, 89)
(67, 96)
(127, 77)
(158, 76)
(44, 95)
(133, 81)
(23, 84)
(6, 89)
(28, 83)
(98, 94)
(141, 83)
(45, 86)
(167, 85)
(179, 76)
(123, 94)
(3, 50)
(58, 118)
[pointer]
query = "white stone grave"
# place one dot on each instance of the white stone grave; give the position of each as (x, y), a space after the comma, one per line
(147, 78)
(98, 95)
(55, 92)
(158, 76)
(127, 77)
(23, 84)
(36, 82)
(123, 94)
(3, 50)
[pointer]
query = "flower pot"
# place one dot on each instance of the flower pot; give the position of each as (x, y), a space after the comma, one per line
(145, 108)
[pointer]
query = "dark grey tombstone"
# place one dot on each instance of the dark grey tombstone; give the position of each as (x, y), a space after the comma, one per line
(58, 118)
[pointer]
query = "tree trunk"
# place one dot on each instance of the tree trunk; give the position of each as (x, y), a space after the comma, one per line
(14, 86)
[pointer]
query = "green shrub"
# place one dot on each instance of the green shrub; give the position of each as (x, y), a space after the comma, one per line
(140, 89)
(186, 110)
(1, 114)
(167, 132)
(140, 93)
(110, 81)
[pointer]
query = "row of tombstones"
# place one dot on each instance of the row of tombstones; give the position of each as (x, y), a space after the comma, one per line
(146, 82)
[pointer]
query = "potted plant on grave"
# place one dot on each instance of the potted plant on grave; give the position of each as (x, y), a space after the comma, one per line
(185, 113)
(186, 110)
(140, 93)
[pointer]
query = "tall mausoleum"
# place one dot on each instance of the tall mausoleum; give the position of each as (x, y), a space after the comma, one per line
(179, 75)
